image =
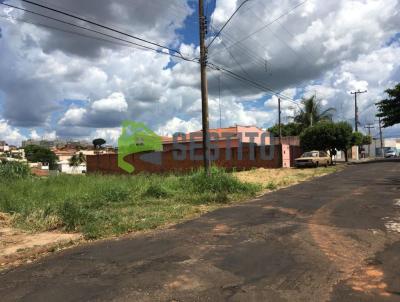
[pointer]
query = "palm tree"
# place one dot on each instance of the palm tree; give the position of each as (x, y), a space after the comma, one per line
(311, 113)
(76, 160)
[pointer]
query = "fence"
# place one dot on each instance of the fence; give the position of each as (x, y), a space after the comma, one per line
(232, 159)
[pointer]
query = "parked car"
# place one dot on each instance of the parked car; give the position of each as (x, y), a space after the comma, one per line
(313, 159)
(390, 153)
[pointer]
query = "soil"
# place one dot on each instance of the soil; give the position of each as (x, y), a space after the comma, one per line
(18, 246)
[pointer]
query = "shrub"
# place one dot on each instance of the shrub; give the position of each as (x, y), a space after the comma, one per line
(156, 191)
(115, 194)
(271, 186)
(12, 170)
(219, 181)
(72, 215)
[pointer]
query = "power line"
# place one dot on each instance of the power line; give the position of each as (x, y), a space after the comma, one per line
(280, 39)
(102, 26)
(268, 24)
(67, 31)
(96, 31)
(251, 82)
(227, 22)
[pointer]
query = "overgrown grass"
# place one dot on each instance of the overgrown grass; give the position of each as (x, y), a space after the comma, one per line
(12, 170)
(100, 206)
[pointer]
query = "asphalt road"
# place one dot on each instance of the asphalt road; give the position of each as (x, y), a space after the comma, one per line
(336, 238)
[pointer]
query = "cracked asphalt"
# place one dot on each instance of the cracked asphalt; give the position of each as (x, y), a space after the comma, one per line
(336, 238)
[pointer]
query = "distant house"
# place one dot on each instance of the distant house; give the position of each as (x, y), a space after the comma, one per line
(64, 167)
(4, 147)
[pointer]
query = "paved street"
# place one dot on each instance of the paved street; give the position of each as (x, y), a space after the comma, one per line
(336, 238)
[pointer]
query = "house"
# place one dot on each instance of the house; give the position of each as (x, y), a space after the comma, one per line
(64, 167)
(376, 148)
(4, 147)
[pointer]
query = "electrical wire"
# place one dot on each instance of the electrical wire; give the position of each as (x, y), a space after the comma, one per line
(227, 22)
(100, 33)
(102, 26)
(268, 24)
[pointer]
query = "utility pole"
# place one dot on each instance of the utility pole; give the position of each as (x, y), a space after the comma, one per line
(356, 107)
(204, 88)
(279, 121)
(219, 100)
(369, 127)
(381, 137)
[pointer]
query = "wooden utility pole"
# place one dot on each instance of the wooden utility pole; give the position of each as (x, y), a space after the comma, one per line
(356, 108)
(381, 137)
(204, 88)
(279, 121)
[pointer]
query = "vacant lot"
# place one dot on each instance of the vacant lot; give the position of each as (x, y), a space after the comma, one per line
(101, 206)
(272, 179)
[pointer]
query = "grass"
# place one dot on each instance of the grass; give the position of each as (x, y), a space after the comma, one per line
(275, 179)
(102, 206)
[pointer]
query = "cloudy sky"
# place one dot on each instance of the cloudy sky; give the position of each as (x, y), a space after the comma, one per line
(60, 81)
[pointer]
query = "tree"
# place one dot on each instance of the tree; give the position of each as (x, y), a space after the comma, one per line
(389, 109)
(311, 113)
(98, 142)
(357, 139)
(38, 154)
(367, 140)
(76, 160)
(319, 137)
(343, 135)
(290, 129)
(327, 136)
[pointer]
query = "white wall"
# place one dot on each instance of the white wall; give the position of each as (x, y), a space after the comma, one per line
(67, 169)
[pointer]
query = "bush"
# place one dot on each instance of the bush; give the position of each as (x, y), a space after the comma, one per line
(156, 191)
(271, 186)
(72, 215)
(219, 181)
(11, 169)
(115, 194)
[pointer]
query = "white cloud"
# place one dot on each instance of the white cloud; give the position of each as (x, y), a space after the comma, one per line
(110, 135)
(73, 116)
(115, 102)
(178, 125)
(9, 134)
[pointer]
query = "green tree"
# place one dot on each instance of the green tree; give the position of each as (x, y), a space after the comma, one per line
(98, 142)
(367, 140)
(319, 137)
(389, 109)
(357, 139)
(290, 129)
(327, 136)
(38, 154)
(312, 113)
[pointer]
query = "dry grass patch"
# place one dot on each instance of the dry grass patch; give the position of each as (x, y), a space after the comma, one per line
(272, 179)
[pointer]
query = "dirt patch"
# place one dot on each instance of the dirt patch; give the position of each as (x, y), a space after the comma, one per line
(350, 256)
(17, 246)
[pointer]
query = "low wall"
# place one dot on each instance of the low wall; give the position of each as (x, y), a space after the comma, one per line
(108, 163)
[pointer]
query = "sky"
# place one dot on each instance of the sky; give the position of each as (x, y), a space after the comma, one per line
(57, 81)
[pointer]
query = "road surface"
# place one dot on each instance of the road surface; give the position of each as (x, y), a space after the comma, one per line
(336, 238)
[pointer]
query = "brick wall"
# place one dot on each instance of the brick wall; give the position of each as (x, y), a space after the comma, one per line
(108, 163)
